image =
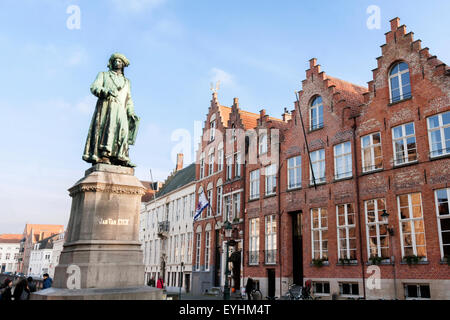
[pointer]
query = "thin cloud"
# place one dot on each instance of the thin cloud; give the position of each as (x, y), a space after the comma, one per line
(224, 77)
(136, 6)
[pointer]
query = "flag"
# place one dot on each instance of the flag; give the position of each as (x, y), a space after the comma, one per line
(202, 204)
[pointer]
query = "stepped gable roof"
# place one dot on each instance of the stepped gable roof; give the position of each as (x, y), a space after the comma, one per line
(11, 238)
(178, 180)
(224, 114)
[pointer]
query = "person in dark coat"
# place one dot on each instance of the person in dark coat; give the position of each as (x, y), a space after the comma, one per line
(31, 284)
(249, 288)
(47, 281)
(6, 290)
(21, 291)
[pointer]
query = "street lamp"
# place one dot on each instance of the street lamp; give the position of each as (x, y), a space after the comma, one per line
(385, 217)
(228, 231)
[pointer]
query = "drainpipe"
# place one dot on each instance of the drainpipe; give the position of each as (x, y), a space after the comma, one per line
(244, 213)
(279, 214)
(355, 158)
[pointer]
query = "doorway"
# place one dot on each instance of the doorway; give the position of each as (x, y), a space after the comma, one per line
(271, 282)
(187, 282)
(297, 247)
(217, 261)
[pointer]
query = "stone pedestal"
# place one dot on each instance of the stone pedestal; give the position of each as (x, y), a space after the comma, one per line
(102, 254)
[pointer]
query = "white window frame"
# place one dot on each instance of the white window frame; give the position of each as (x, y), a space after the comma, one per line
(403, 140)
(212, 130)
(372, 147)
(314, 125)
(440, 218)
(219, 191)
(237, 164)
(228, 208)
(346, 227)
(254, 241)
(411, 221)
(319, 175)
(202, 166)
(400, 82)
(211, 164)
(198, 240)
(229, 172)
(418, 285)
(295, 167)
(207, 249)
(220, 160)
(209, 210)
(341, 156)
(270, 239)
(444, 143)
(321, 229)
(270, 179)
(377, 223)
(254, 184)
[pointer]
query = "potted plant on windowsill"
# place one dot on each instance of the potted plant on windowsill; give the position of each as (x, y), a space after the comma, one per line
(413, 259)
(236, 220)
(344, 261)
(447, 258)
(375, 260)
(319, 262)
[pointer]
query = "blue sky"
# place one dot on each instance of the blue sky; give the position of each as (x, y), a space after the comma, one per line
(258, 49)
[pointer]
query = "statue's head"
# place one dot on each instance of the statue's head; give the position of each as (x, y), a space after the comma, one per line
(118, 61)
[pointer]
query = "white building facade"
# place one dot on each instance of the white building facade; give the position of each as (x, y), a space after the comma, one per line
(44, 256)
(166, 231)
(9, 255)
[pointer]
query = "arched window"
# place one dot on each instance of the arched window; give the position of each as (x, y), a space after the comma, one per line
(399, 82)
(263, 143)
(316, 113)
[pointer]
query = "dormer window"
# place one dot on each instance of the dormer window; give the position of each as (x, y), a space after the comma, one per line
(399, 82)
(263, 143)
(316, 114)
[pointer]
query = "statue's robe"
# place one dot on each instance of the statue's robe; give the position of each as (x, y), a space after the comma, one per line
(114, 124)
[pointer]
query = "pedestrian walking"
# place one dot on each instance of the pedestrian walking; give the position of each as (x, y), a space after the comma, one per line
(47, 281)
(5, 291)
(21, 291)
(249, 288)
(160, 284)
(31, 284)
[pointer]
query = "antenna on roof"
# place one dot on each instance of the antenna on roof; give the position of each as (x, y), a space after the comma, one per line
(214, 90)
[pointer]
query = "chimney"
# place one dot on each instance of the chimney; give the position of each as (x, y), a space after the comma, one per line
(395, 23)
(179, 162)
(286, 115)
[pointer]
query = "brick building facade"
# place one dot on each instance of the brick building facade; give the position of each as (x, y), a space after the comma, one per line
(350, 190)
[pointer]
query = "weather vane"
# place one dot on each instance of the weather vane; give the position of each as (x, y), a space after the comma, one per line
(214, 90)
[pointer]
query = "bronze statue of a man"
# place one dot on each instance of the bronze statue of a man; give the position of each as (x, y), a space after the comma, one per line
(114, 124)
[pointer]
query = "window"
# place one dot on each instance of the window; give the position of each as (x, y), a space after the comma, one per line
(254, 241)
(404, 140)
(237, 163)
(439, 134)
(220, 159)
(412, 231)
(321, 288)
(294, 172)
(254, 184)
(202, 166)
(318, 166)
(207, 249)
(183, 247)
(219, 200)
(349, 289)
(443, 215)
(263, 143)
(189, 246)
(417, 291)
(316, 114)
(376, 230)
(228, 208)
(342, 161)
(7, 256)
(271, 239)
(176, 252)
(399, 82)
(229, 167)
(346, 231)
(372, 158)
(192, 202)
(236, 205)
(319, 233)
(210, 200)
(197, 254)
(271, 179)
(211, 164)
(212, 130)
